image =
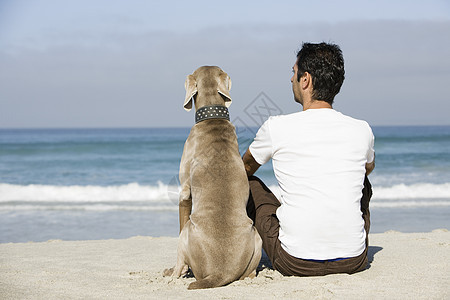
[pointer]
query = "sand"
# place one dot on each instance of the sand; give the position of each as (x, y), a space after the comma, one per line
(403, 266)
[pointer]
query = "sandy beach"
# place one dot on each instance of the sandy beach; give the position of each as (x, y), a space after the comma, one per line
(403, 266)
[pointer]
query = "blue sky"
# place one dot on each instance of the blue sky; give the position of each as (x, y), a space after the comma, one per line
(92, 63)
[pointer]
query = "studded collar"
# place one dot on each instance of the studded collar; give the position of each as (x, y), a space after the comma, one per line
(211, 112)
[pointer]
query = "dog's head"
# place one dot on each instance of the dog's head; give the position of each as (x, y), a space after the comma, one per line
(208, 85)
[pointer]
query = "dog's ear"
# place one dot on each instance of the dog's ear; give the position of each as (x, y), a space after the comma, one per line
(224, 87)
(191, 89)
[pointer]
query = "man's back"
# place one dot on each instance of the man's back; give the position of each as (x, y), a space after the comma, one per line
(319, 158)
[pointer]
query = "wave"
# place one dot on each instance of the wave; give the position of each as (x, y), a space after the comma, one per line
(84, 207)
(410, 204)
(162, 197)
(118, 193)
(413, 191)
(128, 197)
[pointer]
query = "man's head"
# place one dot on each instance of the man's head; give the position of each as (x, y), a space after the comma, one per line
(325, 65)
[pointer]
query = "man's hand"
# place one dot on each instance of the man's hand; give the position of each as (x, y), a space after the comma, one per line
(370, 167)
(250, 163)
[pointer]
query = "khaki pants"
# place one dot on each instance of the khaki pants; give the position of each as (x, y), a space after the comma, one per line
(261, 208)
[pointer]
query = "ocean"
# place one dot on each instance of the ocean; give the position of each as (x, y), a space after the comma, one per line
(84, 184)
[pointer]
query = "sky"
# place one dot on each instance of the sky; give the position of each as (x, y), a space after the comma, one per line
(108, 63)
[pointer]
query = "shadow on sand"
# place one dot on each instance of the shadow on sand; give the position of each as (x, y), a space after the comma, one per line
(372, 251)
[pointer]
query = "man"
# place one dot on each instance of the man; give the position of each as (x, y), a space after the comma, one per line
(321, 159)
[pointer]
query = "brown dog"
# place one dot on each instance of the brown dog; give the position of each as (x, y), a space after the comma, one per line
(217, 240)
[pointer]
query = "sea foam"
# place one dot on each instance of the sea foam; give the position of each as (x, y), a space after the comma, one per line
(75, 193)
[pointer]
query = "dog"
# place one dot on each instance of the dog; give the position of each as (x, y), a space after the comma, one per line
(217, 239)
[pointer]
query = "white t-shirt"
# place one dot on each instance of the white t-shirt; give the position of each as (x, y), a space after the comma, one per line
(319, 158)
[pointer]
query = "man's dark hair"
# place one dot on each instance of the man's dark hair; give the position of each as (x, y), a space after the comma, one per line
(325, 63)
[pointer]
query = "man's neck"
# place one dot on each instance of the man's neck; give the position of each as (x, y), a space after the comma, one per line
(316, 104)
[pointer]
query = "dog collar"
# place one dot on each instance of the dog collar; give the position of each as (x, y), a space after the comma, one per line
(211, 112)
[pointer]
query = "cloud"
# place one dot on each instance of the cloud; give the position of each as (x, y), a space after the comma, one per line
(87, 79)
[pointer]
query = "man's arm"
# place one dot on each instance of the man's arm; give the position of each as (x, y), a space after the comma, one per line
(370, 167)
(250, 163)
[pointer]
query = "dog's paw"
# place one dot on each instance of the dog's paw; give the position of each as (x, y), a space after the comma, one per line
(252, 275)
(184, 270)
(168, 272)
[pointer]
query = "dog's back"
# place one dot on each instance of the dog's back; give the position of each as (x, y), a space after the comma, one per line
(221, 189)
(217, 170)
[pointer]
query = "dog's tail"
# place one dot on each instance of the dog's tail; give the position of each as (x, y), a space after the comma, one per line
(210, 281)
